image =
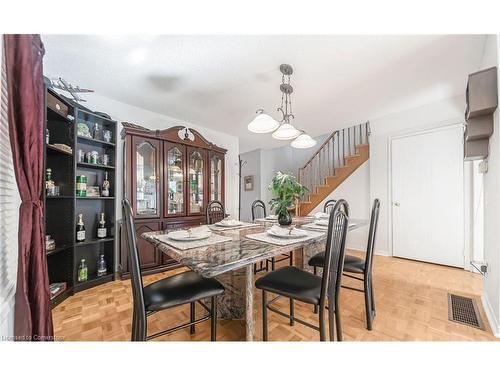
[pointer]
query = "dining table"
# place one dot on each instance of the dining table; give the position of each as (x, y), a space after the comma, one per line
(232, 262)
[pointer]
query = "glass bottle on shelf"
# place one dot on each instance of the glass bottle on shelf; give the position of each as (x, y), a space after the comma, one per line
(97, 132)
(47, 136)
(82, 271)
(105, 186)
(101, 228)
(81, 186)
(101, 266)
(80, 229)
(49, 183)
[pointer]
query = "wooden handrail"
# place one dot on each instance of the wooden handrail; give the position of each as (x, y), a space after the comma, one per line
(319, 149)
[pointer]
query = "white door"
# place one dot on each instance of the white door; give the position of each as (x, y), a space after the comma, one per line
(427, 196)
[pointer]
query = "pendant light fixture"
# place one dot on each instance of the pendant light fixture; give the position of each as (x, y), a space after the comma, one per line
(263, 123)
(282, 130)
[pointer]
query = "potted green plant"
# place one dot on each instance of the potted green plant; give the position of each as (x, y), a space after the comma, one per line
(287, 191)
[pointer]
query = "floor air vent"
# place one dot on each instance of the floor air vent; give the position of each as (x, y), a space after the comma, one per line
(464, 310)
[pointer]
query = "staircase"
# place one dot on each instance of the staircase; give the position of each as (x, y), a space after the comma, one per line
(338, 157)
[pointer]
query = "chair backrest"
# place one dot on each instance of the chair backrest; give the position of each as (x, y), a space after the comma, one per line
(335, 251)
(135, 268)
(329, 204)
(258, 209)
(372, 233)
(215, 212)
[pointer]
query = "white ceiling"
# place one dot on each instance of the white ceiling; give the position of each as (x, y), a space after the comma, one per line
(219, 81)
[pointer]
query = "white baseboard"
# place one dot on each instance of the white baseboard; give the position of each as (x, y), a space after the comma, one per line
(490, 314)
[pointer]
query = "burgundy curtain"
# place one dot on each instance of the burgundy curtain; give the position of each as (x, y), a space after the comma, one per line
(23, 63)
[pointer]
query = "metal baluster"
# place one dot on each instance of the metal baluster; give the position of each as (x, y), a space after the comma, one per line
(338, 149)
(360, 134)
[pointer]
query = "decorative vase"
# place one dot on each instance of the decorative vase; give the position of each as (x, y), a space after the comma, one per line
(284, 218)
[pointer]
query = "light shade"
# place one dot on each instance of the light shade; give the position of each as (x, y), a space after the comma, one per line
(303, 141)
(263, 123)
(286, 132)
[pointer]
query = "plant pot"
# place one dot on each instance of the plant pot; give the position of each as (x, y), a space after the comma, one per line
(284, 218)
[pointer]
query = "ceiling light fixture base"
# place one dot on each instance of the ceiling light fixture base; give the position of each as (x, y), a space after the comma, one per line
(286, 69)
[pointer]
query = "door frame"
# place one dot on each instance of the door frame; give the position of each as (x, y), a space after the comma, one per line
(466, 233)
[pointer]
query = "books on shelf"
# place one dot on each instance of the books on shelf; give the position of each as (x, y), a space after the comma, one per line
(56, 289)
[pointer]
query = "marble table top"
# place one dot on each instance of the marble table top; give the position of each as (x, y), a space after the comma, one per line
(213, 260)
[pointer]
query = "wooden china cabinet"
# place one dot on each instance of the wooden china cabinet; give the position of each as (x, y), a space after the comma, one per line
(169, 177)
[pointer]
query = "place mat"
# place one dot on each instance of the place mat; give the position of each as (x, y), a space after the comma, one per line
(186, 245)
(243, 225)
(264, 237)
(264, 220)
(315, 226)
(322, 228)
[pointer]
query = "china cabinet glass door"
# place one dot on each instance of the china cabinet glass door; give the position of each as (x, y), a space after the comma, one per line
(196, 181)
(216, 181)
(146, 189)
(174, 189)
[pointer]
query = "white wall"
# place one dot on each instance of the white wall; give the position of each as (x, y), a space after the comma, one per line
(491, 297)
(250, 168)
(356, 191)
(445, 112)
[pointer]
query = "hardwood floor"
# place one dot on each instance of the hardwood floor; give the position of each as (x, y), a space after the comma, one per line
(411, 301)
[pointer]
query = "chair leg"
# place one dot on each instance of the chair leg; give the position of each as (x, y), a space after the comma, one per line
(331, 320)
(372, 296)
(315, 271)
(322, 330)
(192, 312)
(292, 313)
(291, 258)
(134, 325)
(368, 306)
(213, 318)
(264, 315)
(142, 329)
(337, 319)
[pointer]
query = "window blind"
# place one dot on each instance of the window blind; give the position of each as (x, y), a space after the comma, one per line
(9, 215)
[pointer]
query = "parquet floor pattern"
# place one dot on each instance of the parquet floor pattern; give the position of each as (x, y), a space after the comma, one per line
(411, 301)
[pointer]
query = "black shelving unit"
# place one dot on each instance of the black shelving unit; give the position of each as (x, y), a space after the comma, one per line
(61, 211)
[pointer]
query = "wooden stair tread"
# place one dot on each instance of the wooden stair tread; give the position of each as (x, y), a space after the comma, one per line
(352, 162)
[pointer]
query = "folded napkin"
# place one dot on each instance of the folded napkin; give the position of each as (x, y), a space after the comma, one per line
(202, 229)
(321, 215)
(292, 231)
(230, 222)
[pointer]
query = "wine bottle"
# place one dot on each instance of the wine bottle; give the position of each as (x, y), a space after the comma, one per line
(80, 229)
(82, 271)
(105, 186)
(49, 184)
(81, 186)
(101, 228)
(101, 266)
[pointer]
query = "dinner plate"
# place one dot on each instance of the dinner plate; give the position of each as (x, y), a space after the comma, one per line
(183, 235)
(285, 233)
(229, 223)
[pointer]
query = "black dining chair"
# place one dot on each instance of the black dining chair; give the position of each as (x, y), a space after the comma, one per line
(215, 212)
(329, 204)
(259, 212)
(187, 287)
(358, 265)
(297, 284)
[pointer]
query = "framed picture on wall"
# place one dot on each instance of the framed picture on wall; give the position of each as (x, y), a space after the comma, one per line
(248, 182)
